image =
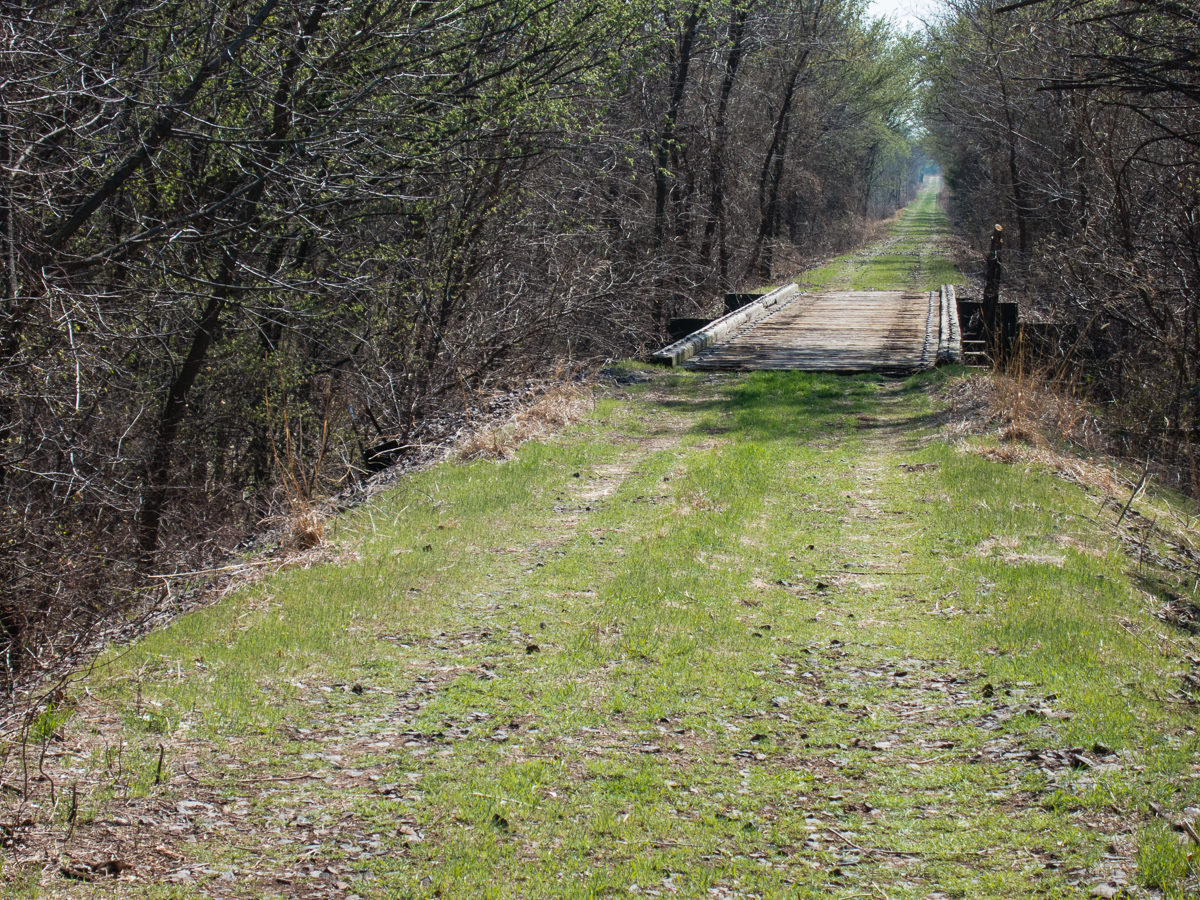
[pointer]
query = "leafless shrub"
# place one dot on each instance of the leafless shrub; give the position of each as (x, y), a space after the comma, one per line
(1023, 407)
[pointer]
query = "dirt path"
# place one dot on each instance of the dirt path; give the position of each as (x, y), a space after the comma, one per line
(910, 258)
(722, 642)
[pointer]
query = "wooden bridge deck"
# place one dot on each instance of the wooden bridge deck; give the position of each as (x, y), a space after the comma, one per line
(842, 331)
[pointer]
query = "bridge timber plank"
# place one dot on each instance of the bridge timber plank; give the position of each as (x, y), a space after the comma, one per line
(839, 331)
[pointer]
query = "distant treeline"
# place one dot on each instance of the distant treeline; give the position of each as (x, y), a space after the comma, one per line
(241, 242)
(1076, 125)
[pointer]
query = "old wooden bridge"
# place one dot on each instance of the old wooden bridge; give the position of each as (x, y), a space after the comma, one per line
(896, 332)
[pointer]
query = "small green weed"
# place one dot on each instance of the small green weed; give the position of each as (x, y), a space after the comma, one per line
(1165, 859)
(48, 724)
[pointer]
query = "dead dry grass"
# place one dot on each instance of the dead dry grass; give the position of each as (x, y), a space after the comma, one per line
(554, 410)
(1105, 479)
(1035, 420)
(1023, 408)
(303, 528)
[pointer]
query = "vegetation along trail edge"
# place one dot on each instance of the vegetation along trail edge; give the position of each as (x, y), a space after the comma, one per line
(760, 635)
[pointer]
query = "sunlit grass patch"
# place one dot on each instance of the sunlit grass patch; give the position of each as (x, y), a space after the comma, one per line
(1166, 859)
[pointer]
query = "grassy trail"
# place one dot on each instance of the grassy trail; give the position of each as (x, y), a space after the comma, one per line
(763, 636)
(910, 257)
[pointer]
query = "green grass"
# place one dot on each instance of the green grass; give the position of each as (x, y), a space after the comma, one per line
(716, 641)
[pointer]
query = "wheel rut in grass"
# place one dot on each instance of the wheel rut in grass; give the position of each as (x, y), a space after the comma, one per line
(723, 641)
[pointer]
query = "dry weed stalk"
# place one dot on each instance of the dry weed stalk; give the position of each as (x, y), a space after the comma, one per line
(1032, 409)
(1039, 419)
(303, 525)
(1042, 401)
(554, 410)
(1101, 478)
(1026, 404)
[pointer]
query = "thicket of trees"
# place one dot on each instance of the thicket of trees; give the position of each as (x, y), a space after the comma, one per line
(244, 240)
(1076, 124)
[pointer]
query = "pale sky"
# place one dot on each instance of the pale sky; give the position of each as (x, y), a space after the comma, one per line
(905, 13)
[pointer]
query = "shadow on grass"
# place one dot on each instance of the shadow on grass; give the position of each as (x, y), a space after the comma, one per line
(806, 406)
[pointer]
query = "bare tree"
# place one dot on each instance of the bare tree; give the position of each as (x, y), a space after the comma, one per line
(1080, 120)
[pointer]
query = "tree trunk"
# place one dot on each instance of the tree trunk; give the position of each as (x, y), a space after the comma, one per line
(158, 470)
(228, 282)
(1020, 202)
(666, 137)
(991, 296)
(770, 178)
(716, 226)
(10, 331)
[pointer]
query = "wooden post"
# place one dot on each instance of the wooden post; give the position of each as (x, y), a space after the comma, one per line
(991, 296)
